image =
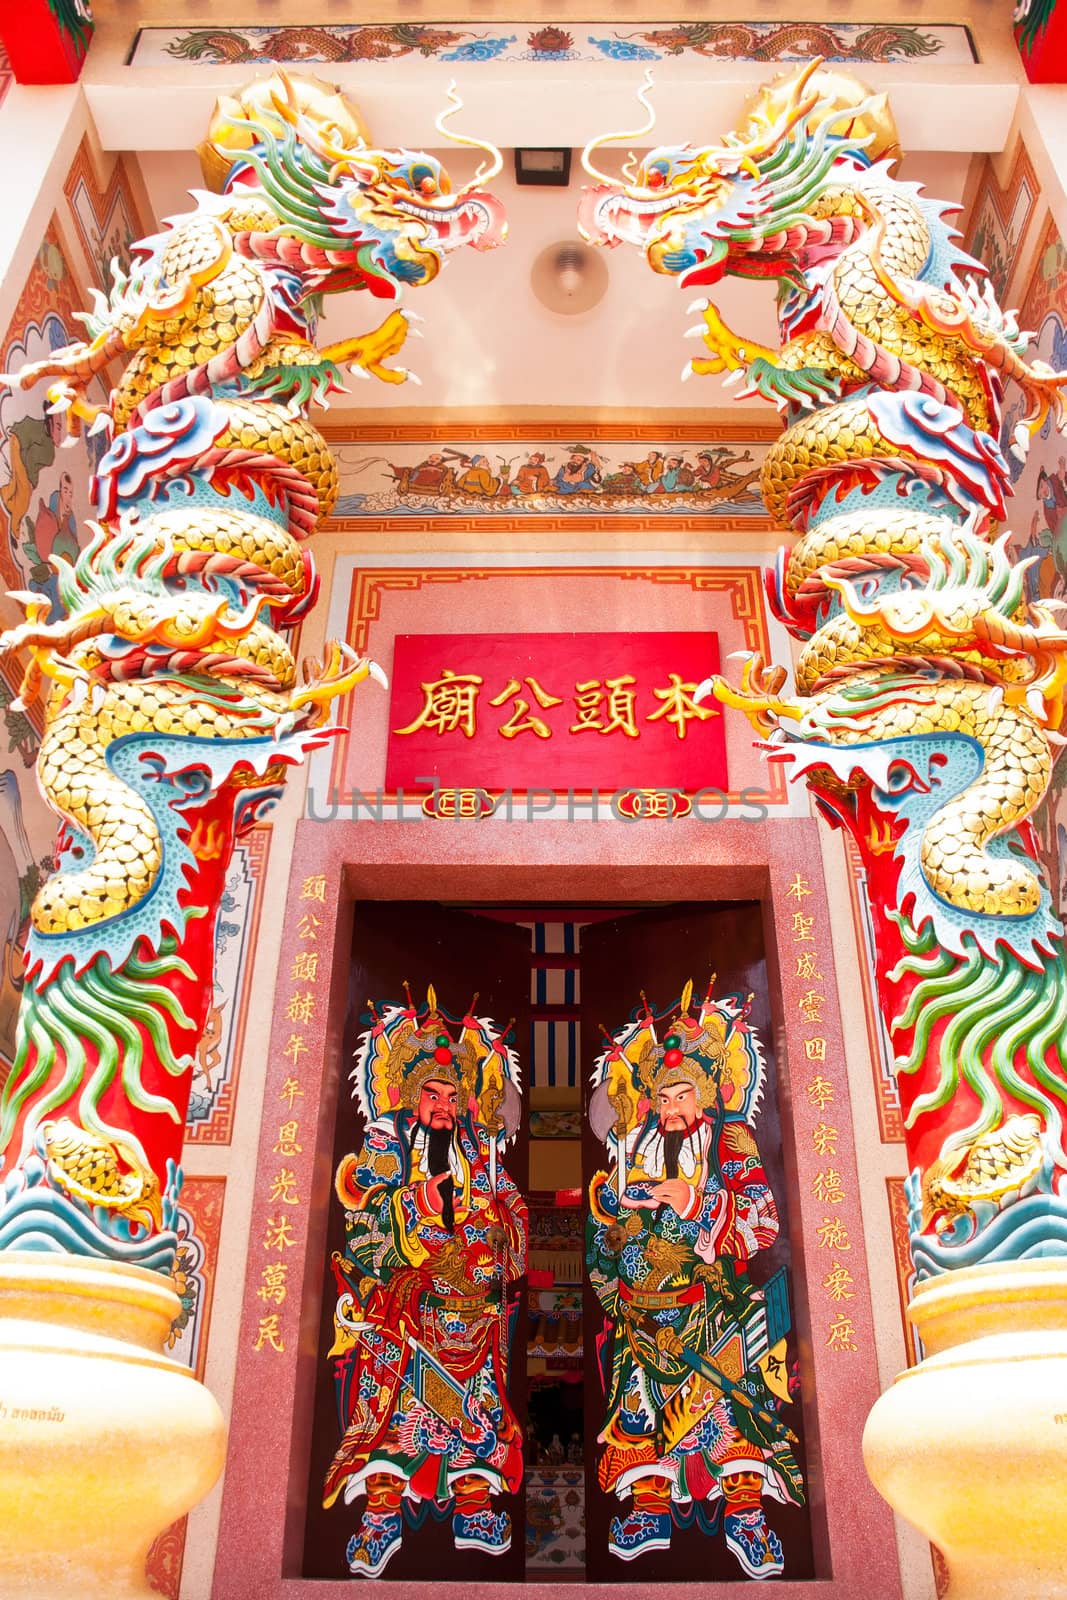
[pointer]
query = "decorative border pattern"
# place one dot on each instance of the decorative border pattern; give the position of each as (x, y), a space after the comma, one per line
(898, 1223)
(214, 1094)
(556, 42)
(107, 219)
(886, 1091)
(200, 1229)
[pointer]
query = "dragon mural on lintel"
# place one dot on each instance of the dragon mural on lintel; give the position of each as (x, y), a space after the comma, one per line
(174, 702)
(928, 695)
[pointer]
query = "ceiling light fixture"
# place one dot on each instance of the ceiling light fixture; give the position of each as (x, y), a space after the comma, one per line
(569, 277)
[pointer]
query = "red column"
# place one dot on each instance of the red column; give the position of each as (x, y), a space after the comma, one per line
(46, 40)
(1041, 35)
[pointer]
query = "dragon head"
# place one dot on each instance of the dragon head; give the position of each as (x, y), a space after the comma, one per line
(700, 212)
(386, 217)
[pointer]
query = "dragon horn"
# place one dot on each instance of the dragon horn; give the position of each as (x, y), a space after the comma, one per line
(325, 138)
(770, 121)
(484, 173)
(610, 138)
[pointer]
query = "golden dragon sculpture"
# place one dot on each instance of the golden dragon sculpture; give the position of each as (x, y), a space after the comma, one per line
(928, 692)
(174, 701)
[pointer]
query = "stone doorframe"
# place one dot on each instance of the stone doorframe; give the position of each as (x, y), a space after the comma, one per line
(338, 871)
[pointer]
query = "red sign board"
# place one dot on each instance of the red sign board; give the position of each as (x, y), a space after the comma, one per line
(580, 711)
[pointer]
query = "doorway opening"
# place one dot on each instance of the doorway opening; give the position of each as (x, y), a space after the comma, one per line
(562, 980)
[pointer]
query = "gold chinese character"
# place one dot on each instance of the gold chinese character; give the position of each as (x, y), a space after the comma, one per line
(679, 707)
(838, 1282)
(820, 1093)
(842, 1335)
(833, 1235)
(291, 1091)
(802, 927)
(270, 1333)
(295, 1048)
(301, 1007)
(308, 926)
(825, 1138)
(287, 1145)
(815, 1049)
(283, 1188)
(314, 888)
(279, 1234)
(451, 705)
(590, 698)
(806, 967)
(520, 720)
(305, 966)
(798, 888)
(273, 1286)
(811, 1004)
(826, 1186)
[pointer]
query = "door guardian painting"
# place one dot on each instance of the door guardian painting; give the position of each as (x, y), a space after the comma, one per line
(435, 1234)
(693, 1356)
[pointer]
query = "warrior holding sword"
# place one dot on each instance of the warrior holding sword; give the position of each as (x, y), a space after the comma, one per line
(435, 1233)
(694, 1355)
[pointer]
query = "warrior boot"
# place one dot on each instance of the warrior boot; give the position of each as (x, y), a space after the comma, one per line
(756, 1545)
(380, 1530)
(475, 1525)
(648, 1525)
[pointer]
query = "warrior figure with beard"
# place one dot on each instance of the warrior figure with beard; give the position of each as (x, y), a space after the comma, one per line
(693, 1358)
(435, 1232)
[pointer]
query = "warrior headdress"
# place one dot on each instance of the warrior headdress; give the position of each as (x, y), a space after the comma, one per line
(714, 1048)
(404, 1048)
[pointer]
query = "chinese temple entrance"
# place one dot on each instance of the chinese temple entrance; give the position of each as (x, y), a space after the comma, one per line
(559, 975)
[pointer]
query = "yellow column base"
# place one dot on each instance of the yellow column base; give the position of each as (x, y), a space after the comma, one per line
(971, 1445)
(104, 1440)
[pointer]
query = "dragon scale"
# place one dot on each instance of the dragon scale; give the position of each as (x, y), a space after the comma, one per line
(173, 701)
(928, 693)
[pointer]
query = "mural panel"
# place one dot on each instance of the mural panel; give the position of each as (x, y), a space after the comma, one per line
(1000, 218)
(521, 471)
(557, 42)
(44, 473)
(43, 505)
